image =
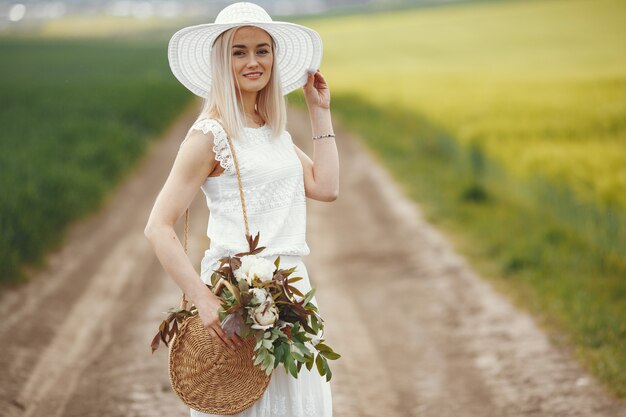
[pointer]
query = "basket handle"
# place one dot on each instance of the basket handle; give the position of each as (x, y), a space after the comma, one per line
(183, 302)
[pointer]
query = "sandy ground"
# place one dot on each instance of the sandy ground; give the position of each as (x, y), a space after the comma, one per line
(423, 336)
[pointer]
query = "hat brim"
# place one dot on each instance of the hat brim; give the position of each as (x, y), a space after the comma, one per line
(298, 51)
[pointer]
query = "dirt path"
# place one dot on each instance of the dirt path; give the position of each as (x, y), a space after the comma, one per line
(425, 337)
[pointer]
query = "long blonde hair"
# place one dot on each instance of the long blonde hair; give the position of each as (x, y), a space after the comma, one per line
(223, 103)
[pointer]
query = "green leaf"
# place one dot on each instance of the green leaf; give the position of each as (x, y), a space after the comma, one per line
(329, 374)
(323, 348)
(315, 324)
(308, 296)
(311, 306)
(299, 357)
(308, 328)
(302, 348)
(290, 364)
(309, 363)
(330, 355)
(280, 352)
(293, 369)
(258, 345)
(268, 362)
(319, 362)
(259, 358)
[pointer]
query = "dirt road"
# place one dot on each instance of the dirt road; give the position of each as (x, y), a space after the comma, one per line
(425, 337)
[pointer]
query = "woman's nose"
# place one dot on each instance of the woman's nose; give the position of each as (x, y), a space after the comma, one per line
(252, 62)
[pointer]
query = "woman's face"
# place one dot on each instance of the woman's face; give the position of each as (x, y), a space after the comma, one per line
(252, 57)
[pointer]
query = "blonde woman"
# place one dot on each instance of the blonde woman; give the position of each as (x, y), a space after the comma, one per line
(243, 65)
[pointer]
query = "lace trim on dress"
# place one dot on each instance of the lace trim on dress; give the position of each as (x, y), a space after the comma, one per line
(220, 143)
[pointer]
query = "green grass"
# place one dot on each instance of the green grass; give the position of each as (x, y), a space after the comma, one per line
(76, 115)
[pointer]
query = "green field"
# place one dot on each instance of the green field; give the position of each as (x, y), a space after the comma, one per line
(76, 116)
(506, 121)
(540, 84)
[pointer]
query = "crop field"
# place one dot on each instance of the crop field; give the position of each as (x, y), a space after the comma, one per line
(76, 115)
(541, 85)
(506, 121)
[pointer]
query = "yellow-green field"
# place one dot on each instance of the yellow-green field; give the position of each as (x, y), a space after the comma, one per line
(506, 121)
(542, 84)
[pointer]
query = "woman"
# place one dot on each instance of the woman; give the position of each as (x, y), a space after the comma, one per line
(243, 65)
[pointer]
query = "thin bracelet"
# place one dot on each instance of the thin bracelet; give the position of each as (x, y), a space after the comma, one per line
(330, 135)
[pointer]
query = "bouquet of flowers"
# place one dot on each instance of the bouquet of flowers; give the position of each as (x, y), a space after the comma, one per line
(259, 300)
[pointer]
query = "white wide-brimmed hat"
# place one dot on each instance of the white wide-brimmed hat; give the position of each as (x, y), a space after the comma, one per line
(298, 48)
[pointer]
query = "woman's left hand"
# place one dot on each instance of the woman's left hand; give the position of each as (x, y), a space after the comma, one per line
(316, 92)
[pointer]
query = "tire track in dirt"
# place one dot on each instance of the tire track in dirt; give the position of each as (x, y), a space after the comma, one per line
(58, 369)
(420, 337)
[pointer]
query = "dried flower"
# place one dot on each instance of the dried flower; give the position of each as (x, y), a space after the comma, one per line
(265, 315)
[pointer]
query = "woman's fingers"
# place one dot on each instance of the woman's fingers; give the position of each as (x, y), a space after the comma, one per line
(310, 81)
(220, 333)
(237, 340)
(321, 82)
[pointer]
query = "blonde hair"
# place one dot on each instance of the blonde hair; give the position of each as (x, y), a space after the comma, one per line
(223, 103)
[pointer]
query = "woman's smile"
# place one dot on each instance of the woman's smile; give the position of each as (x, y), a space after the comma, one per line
(253, 75)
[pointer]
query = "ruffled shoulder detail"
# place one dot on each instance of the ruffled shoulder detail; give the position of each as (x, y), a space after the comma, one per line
(221, 147)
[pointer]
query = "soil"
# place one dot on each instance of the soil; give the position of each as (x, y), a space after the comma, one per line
(419, 332)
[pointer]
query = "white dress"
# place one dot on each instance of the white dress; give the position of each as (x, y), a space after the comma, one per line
(273, 185)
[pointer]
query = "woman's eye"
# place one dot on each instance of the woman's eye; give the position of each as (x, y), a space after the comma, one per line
(265, 51)
(238, 53)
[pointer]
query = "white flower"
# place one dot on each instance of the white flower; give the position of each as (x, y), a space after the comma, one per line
(253, 266)
(259, 295)
(242, 272)
(264, 316)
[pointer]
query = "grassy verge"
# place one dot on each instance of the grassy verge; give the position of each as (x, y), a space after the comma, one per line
(567, 269)
(75, 115)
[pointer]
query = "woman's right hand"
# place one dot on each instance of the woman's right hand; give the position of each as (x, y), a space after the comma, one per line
(208, 312)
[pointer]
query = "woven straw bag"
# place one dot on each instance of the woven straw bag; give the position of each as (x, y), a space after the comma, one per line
(206, 375)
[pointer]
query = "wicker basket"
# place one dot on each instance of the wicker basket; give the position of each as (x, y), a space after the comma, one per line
(212, 378)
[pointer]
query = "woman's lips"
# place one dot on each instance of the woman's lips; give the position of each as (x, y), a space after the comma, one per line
(253, 76)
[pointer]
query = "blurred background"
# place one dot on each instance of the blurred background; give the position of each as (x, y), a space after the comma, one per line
(504, 119)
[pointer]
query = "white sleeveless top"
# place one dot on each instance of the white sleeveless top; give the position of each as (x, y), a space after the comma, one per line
(272, 178)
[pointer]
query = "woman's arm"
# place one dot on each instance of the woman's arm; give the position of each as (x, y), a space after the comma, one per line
(193, 163)
(321, 175)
